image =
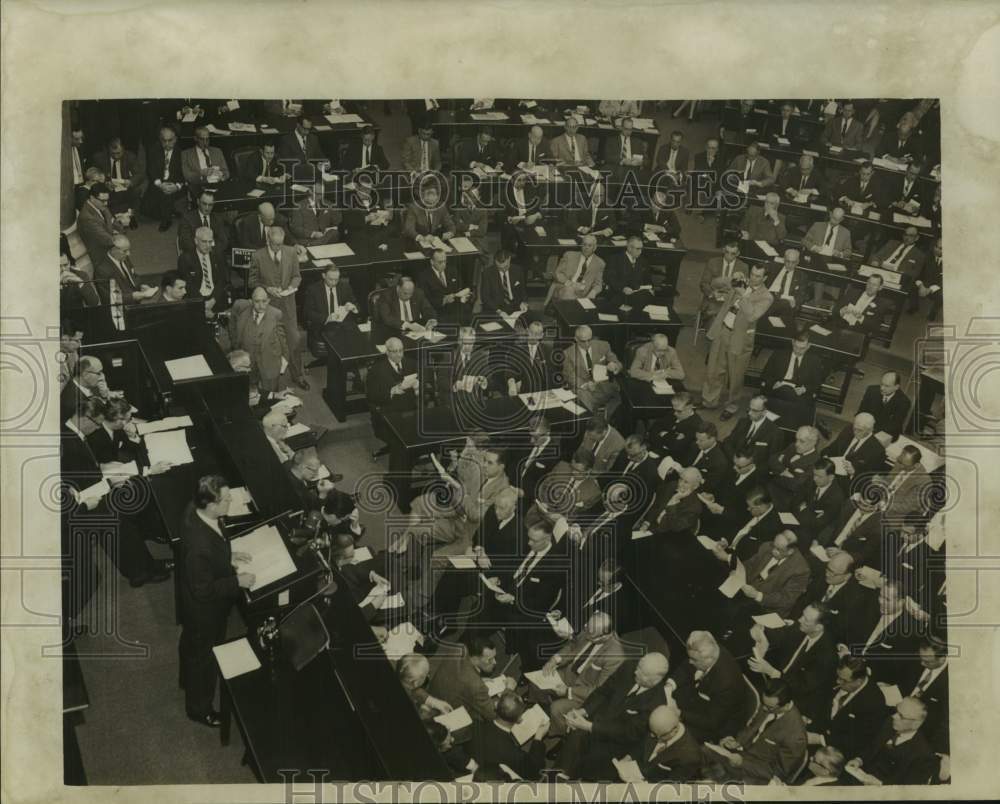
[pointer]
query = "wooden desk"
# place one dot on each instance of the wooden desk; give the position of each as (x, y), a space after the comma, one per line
(632, 324)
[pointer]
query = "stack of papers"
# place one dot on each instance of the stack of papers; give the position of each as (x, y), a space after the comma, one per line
(607, 317)
(462, 562)
(819, 330)
(269, 558)
(544, 681)
(402, 640)
(767, 248)
(236, 658)
(666, 465)
(188, 368)
(530, 722)
(788, 518)
(488, 116)
(337, 119)
(628, 769)
(455, 719)
(331, 251)
(662, 387)
(643, 123)
(169, 423)
(566, 241)
(170, 447)
(891, 278)
(891, 693)
(641, 534)
(463, 245)
(116, 469)
(587, 304)
(491, 326)
(221, 131)
(414, 255)
(776, 322)
(657, 312)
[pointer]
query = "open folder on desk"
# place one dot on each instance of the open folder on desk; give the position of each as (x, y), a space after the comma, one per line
(188, 368)
(236, 658)
(170, 447)
(463, 245)
(269, 558)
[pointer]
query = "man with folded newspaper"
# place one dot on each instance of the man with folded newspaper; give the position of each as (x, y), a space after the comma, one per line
(589, 368)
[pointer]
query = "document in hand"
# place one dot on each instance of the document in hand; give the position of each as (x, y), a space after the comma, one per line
(495, 685)
(236, 658)
(463, 245)
(401, 640)
(394, 601)
(666, 465)
(331, 251)
(587, 304)
(641, 534)
(891, 694)
(455, 719)
(737, 580)
(530, 722)
(600, 373)
(115, 469)
(662, 387)
(442, 472)
(543, 681)
(169, 423)
(269, 558)
(628, 769)
(838, 465)
(361, 554)
(188, 368)
(170, 446)
(769, 620)
(239, 502)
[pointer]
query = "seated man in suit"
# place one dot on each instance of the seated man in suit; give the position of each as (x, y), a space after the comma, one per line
(529, 361)
(888, 405)
(527, 152)
(857, 530)
(832, 238)
(792, 468)
(203, 215)
(582, 665)
(788, 127)
(753, 168)
(472, 219)
(95, 224)
(613, 718)
(755, 433)
(791, 379)
(258, 328)
(709, 458)
(570, 149)
(929, 682)
(461, 377)
(860, 454)
(305, 470)
(302, 153)
(568, 491)
(314, 223)
(772, 745)
(656, 360)
(126, 176)
(494, 745)
(404, 308)
(603, 441)
(844, 131)
(903, 143)
(328, 302)
(502, 289)
(535, 461)
(669, 752)
(173, 288)
(263, 168)
(459, 680)
(717, 279)
(726, 510)
(764, 223)
(708, 689)
(589, 215)
(589, 367)
(675, 509)
(421, 152)
(393, 384)
(930, 283)
(762, 526)
(251, 230)
(117, 267)
(788, 287)
(624, 152)
(674, 435)
(366, 154)
(204, 164)
(850, 721)
(803, 182)
(907, 484)
(903, 192)
(579, 274)
(818, 502)
(904, 257)
(777, 576)
(424, 221)
(445, 291)
(480, 153)
(705, 174)
(275, 426)
(628, 279)
(900, 753)
(658, 218)
(673, 157)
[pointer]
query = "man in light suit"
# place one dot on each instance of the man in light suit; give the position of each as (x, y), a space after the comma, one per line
(732, 336)
(315, 223)
(96, 226)
(570, 148)
(421, 152)
(903, 256)
(258, 329)
(832, 238)
(764, 223)
(656, 360)
(844, 130)
(604, 441)
(777, 575)
(204, 164)
(276, 268)
(568, 491)
(787, 285)
(717, 278)
(753, 168)
(585, 359)
(427, 219)
(459, 681)
(583, 664)
(907, 484)
(579, 274)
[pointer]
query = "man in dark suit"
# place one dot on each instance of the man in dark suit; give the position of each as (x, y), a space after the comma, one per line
(803, 656)
(777, 576)
(76, 290)
(764, 223)
(902, 193)
(403, 308)
(860, 193)
(803, 181)
(530, 366)
(709, 458)
(862, 310)
(669, 752)
(625, 152)
(726, 511)
(850, 721)
(445, 291)
(315, 223)
(125, 173)
(203, 270)
(117, 266)
(392, 385)
(328, 302)
(209, 586)
(792, 468)
(461, 376)
(929, 682)
(818, 502)
(613, 718)
(754, 432)
(636, 467)
(788, 127)
(301, 152)
(709, 689)
(535, 461)
(493, 743)
(427, 219)
(502, 289)
(788, 286)
(763, 525)
(202, 216)
(365, 154)
(263, 168)
(844, 131)
(166, 178)
(673, 156)
(791, 378)
(707, 166)
(626, 275)
(861, 453)
(893, 641)
(525, 152)
(887, 404)
(903, 256)
(480, 152)
(900, 753)
(658, 218)
(251, 230)
(856, 530)
(674, 436)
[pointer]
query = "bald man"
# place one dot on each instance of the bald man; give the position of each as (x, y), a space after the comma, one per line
(900, 753)
(579, 274)
(669, 752)
(613, 718)
(117, 267)
(258, 328)
(251, 230)
(589, 366)
(857, 453)
(526, 152)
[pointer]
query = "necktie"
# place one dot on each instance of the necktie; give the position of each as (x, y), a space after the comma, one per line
(582, 269)
(751, 431)
(424, 161)
(207, 286)
(749, 168)
(843, 129)
(795, 655)
(204, 222)
(276, 256)
(727, 269)
(802, 182)
(531, 152)
(127, 271)
(406, 310)
(829, 236)
(590, 361)
(828, 593)
(583, 657)
(922, 684)
(864, 187)
(850, 450)
(633, 691)
(838, 701)
(257, 318)
(572, 147)
(208, 160)
(522, 571)
(767, 569)
(166, 164)
(505, 279)
(624, 149)
(630, 467)
(397, 368)
(263, 235)
(333, 300)
(897, 254)
(885, 400)
(364, 157)
(77, 167)
(656, 363)
(430, 223)
(763, 725)
(793, 367)
(116, 172)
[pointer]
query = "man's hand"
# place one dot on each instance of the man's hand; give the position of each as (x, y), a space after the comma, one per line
(730, 744)
(752, 592)
(505, 598)
(614, 367)
(550, 667)
(589, 385)
(800, 390)
(324, 487)
(436, 703)
(273, 292)
(246, 579)
(764, 667)
(628, 291)
(160, 467)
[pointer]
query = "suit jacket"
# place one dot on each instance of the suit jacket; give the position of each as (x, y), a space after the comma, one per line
(714, 468)
(622, 273)
(110, 447)
(799, 466)
(316, 302)
(818, 232)
(537, 592)
(676, 438)
(635, 222)
(559, 148)
(873, 315)
(911, 266)
(191, 220)
(935, 696)
(793, 178)
(412, 147)
(764, 444)
(381, 379)
(809, 673)
(853, 608)
(852, 190)
(132, 168)
(890, 655)
(680, 762)
(420, 221)
(388, 314)
(353, 156)
(909, 149)
(526, 474)
(73, 296)
(97, 230)
(909, 763)
(599, 667)
(810, 373)
(795, 287)
(553, 492)
(760, 227)
(681, 161)
(519, 152)
(208, 585)
(155, 164)
(608, 452)
(814, 514)
(468, 213)
(760, 533)
(778, 751)
(305, 220)
(715, 705)
(498, 543)
(642, 363)
(249, 235)
(494, 295)
(289, 148)
(575, 371)
(457, 681)
(253, 165)
(264, 271)
(189, 267)
(492, 746)
(784, 584)
(681, 517)
(868, 458)
(754, 305)
(761, 170)
(620, 719)
(834, 134)
(566, 271)
(450, 371)
(911, 495)
(534, 375)
(191, 167)
(468, 151)
(856, 723)
(712, 171)
(613, 150)
(864, 543)
(712, 280)
(265, 341)
(732, 496)
(795, 131)
(435, 291)
(889, 416)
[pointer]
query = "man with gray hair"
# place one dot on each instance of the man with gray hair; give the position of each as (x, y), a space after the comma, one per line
(258, 328)
(792, 468)
(709, 689)
(855, 450)
(787, 286)
(526, 153)
(589, 366)
(117, 267)
(251, 230)
(579, 274)
(764, 223)
(206, 276)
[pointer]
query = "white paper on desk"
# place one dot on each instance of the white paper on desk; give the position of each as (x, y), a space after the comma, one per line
(769, 620)
(665, 243)
(857, 209)
(587, 304)
(169, 423)
(268, 130)
(455, 719)
(336, 119)
(287, 403)
(766, 247)
(776, 322)
(802, 197)
(788, 518)
(889, 164)
(297, 429)
(540, 231)
(891, 693)
(490, 326)
(380, 347)
(819, 330)
(463, 245)
(858, 774)
(641, 534)
(706, 542)
(643, 123)
(462, 562)
(188, 368)
(819, 551)
(410, 380)
(543, 401)
(402, 640)
(115, 469)
(414, 255)
(628, 769)
(600, 373)
(269, 558)
(170, 446)
(212, 129)
(239, 503)
(835, 266)
(249, 128)
(657, 312)
(322, 263)
(566, 241)
(737, 580)
(236, 658)
(662, 387)
(530, 722)
(365, 327)
(190, 117)
(563, 394)
(330, 251)
(574, 408)
(255, 193)
(607, 317)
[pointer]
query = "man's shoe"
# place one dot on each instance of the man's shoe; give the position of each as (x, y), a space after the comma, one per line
(213, 719)
(727, 414)
(165, 225)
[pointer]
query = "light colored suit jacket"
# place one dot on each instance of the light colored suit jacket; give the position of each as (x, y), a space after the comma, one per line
(599, 668)
(911, 495)
(753, 306)
(642, 363)
(609, 451)
(191, 167)
(575, 371)
(785, 583)
(97, 230)
(559, 149)
(566, 270)
(265, 342)
(853, 139)
(264, 271)
(816, 236)
(761, 170)
(457, 681)
(712, 279)
(411, 153)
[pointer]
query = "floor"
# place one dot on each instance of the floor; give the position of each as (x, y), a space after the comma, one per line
(135, 730)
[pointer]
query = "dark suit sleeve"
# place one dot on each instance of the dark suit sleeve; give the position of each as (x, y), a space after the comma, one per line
(205, 587)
